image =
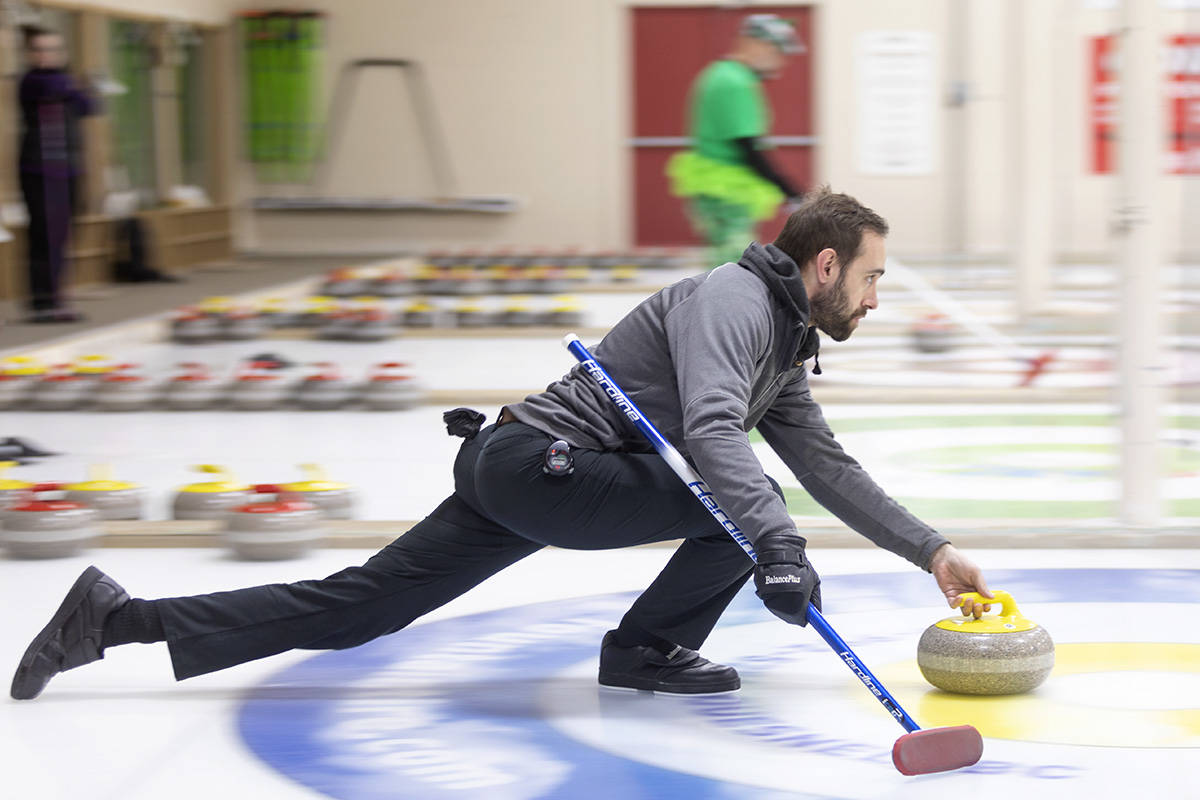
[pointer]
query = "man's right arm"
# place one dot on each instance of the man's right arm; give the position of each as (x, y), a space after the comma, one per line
(796, 430)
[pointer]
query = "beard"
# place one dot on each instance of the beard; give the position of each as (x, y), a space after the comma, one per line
(831, 311)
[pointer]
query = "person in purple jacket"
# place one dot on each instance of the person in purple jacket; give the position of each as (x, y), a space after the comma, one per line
(708, 359)
(50, 166)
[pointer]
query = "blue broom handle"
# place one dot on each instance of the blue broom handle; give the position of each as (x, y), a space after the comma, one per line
(689, 476)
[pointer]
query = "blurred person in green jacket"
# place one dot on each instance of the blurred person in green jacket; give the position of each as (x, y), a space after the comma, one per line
(726, 178)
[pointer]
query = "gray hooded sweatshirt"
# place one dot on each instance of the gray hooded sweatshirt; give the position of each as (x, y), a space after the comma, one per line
(707, 360)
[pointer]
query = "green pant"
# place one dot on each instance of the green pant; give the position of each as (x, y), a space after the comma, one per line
(727, 228)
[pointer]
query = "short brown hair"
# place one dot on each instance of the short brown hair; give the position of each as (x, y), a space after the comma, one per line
(826, 219)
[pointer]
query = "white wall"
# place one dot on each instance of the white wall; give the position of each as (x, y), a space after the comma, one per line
(533, 98)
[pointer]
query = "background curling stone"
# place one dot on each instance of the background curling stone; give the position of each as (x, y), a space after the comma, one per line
(370, 324)
(258, 386)
(564, 313)
(993, 655)
(209, 499)
(344, 282)
(286, 526)
(190, 325)
(193, 388)
(61, 389)
(241, 324)
(11, 491)
(316, 309)
(470, 314)
(18, 376)
(933, 334)
(336, 500)
(37, 528)
(421, 314)
(324, 389)
(124, 390)
(393, 282)
(111, 498)
(390, 388)
(518, 312)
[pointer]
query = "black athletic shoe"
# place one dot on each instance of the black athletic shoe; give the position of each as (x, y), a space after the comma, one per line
(677, 671)
(72, 637)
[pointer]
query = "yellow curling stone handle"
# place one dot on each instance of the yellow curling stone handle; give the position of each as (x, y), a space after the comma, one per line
(1009, 620)
(226, 482)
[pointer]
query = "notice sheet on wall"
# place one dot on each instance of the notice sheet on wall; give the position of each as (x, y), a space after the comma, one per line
(896, 102)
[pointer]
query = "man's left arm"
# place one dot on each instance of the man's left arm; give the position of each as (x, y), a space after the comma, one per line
(796, 430)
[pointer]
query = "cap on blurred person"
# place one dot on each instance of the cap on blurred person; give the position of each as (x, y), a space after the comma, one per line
(774, 29)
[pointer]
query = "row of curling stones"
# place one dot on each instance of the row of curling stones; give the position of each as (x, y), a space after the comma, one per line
(504, 271)
(258, 384)
(213, 499)
(111, 498)
(999, 654)
(365, 321)
(54, 520)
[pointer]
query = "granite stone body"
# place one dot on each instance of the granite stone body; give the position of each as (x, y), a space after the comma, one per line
(963, 662)
(53, 529)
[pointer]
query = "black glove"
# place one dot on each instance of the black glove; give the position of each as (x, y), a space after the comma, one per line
(783, 578)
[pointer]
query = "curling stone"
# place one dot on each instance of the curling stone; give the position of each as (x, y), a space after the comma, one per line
(390, 388)
(996, 654)
(564, 313)
(549, 279)
(190, 325)
(40, 528)
(518, 313)
(336, 500)
(112, 499)
(421, 314)
(470, 314)
(274, 313)
(933, 334)
(18, 376)
(370, 324)
(392, 283)
(124, 389)
(209, 499)
(465, 280)
(344, 282)
(216, 306)
(285, 526)
(316, 309)
(337, 324)
(427, 274)
(440, 280)
(258, 386)
(325, 389)
(11, 491)
(241, 324)
(193, 388)
(94, 366)
(61, 389)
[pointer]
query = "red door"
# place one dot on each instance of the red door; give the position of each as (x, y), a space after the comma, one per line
(670, 47)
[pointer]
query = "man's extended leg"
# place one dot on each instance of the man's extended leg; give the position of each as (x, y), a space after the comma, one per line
(444, 555)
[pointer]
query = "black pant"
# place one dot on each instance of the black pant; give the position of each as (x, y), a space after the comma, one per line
(49, 201)
(503, 509)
